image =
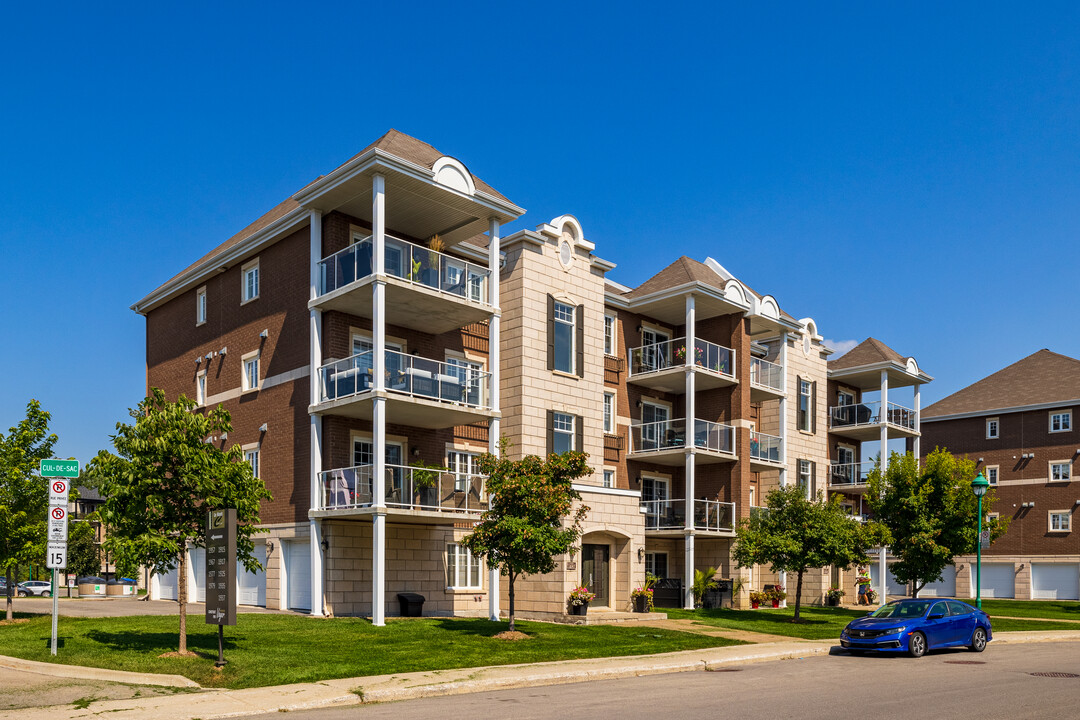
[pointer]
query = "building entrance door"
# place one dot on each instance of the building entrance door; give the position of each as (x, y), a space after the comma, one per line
(595, 561)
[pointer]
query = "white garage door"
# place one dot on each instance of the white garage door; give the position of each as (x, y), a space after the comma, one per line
(298, 574)
(197, 557)
(895, 586)
(998, 580)
(167, 585)
(945, 587)
(1055, 581)
(252, 586)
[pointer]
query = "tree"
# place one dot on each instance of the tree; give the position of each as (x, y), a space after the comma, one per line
(530, 500)
(930, 512)
(24, 494)
(162, 482)
(796, 533)
(84, 555)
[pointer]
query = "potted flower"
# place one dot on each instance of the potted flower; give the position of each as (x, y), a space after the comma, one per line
(832, 597)
(579, 600)
(776, 595)
(642, 597)
(756, 598)
(871, 595)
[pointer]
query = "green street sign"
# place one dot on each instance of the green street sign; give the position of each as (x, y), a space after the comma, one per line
(60, 468)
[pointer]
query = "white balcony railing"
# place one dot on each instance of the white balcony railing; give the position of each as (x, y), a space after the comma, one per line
(408, 261)
(850, 474)
(706, 356)
(405, 487)
(767, 448)
(408, 375)
(671, 515)
(765, 374)
(671, 434)
(869, 413)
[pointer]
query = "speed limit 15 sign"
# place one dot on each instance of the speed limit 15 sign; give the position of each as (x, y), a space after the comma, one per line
(56, 556)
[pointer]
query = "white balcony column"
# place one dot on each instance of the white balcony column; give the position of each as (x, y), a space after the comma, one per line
(494, 338)
(916, 445)
(378, 225)
(378, 404)
(688, 572)
(883, 575)
(883, 418)
(690, 430)
(782, 411)
(315, 356)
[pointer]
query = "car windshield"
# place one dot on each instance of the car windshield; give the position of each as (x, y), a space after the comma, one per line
(902, 609)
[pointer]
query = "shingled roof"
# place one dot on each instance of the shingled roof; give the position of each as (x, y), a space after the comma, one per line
(684, 270)
(869, 352)
(1042, 377)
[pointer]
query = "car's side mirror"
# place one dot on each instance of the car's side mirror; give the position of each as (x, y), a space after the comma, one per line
(935, 616)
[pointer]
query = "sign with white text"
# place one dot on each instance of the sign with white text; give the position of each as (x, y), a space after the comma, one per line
(58, 523)
(59, 468)
(221, 567)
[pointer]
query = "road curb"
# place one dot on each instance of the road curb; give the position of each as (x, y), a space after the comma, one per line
(82, 672)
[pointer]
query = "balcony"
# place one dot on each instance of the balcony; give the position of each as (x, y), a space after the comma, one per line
(662, 366)
(766, 452)
(863, 421)
(766, 380)
(420, 392)
(667, 443)
(668, 517)
(849, 477)
(417, 279)
(418, 492)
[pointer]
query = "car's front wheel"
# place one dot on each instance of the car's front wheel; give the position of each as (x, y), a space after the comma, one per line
(23, 593)
(917, 645)
(978, 640)
(46, 594)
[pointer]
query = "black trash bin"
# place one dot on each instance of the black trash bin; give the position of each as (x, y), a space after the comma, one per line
(412, 604)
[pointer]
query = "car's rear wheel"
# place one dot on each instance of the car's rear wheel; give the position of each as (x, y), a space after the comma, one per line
(978, 640)
(917, 645)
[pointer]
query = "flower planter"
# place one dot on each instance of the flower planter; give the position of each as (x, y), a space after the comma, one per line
(641, 604)
(754, 605)
(582, 609)
(776, 603)
(832, 601)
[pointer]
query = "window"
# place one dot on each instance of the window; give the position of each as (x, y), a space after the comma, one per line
(752, 488)
(462, 569)
(200, 306)
(1060, 471)
(653, 489)
(806, 405)
(992, 474)
(806, 476)
(250, 280)
(656, 564)
(609, 335)
(1059, 521)
(1061, 421)
(609, 478)
(992, 516)
(562, 426)
(200, 387)
(609, 413)
(470, 375)
(843, 397)
(252, 459)
(463, 465)
(251, 371)
(991, 428)
(564, 337)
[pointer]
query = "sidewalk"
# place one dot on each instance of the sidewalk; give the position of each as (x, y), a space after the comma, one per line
(406, 686)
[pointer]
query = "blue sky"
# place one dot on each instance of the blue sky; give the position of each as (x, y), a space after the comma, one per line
(902, 170)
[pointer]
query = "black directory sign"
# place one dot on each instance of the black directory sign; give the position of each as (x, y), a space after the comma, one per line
(221, 567)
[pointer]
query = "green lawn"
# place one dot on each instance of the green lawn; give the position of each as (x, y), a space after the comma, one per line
(1050, 609)
(281, 649)
(824, 623)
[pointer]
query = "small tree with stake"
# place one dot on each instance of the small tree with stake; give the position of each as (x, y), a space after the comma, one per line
(530, 518)
(796, 533)
(163, 480)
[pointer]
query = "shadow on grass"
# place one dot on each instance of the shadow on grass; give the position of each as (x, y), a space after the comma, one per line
(778, 617)
(159, 642)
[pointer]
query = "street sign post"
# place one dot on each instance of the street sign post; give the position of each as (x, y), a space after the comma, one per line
(60, 468)
(984, 539)
(221, 573)
(56, 548)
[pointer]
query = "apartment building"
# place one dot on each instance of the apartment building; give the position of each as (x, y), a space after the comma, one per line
(375, 332)
(1018, 424)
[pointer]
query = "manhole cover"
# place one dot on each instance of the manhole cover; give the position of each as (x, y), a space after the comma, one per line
(965, 662)
(1055, 674)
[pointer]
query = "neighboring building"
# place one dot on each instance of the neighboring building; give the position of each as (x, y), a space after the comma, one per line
(375, 326)
(1019, 426)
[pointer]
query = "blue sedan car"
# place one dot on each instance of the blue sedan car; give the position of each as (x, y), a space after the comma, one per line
(916, 626)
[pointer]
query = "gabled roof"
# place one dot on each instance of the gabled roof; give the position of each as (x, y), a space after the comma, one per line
(1040, 378)
(869, 352)
(684, 270)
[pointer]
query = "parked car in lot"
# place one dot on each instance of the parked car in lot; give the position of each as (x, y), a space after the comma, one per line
(35, 587)
(917, 626)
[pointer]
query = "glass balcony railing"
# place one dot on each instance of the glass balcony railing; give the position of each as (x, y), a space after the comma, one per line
(869, 413)
(671, 515)
(671, 434)
(405, 487)
(850, 474)
(766, 375)
(765, 447)
(408, 261)
(459, 383)
(672, 353)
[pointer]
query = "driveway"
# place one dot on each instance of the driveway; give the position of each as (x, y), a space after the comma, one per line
(117, 607)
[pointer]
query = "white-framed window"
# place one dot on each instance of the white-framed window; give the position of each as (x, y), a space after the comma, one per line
(1060, 521)
(653, 488)
(656, 564)
(462, 569)
(1060, 471)
(200, 305)
(992, 516)
(251, 457)
(562, 432)
(806, 405)
(992, 428)
(1061, 421)
(609, 413)
(752, 494)
(845, 397)
(610, 325)
(200, 387)
(992, 474)
(806, 477)
(609, 478)
(470, 374)
(251, 371)
(249, 280)
(564, 324)
(463, 465)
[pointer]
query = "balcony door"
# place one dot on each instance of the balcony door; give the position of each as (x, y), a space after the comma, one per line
(845, 459)
(654, 356)
(654, 494)
(595, 569)
(365, 363)
(654, 425)
(364, 456)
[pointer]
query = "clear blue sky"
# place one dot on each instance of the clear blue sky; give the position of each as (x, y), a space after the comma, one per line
(902, 170)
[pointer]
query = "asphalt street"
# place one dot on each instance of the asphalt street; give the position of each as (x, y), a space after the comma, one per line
(951, 684)
(112, 607)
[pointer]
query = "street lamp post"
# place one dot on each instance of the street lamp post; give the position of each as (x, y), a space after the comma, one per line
(979, 486)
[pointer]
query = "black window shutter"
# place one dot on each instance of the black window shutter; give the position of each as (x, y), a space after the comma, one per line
(579, 341)
(813, 407)
(551, 334)
(813, 479)
(550, 432)
(579, 432)
(798, 403)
